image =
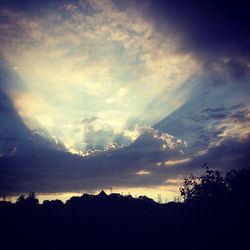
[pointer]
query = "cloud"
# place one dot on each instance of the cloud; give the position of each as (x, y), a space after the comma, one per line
(128, 167)
(92, 78)
(216, 32)
(55, 171)
(143, 172)
(230, 153)
(15, 136)
(83, 58)
(210, 116)
(176, 162)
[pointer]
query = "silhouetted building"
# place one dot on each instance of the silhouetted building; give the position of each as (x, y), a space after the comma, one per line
(102, 194)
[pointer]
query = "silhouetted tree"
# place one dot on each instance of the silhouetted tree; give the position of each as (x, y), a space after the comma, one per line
(54, 204)
(212, 186)
(238, 183)
(29, 200)
(159, 200)
(207, 187)
(21, 199)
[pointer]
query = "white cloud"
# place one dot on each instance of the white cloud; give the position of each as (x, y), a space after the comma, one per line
(91, 59)
(143, 172)
(177, 162)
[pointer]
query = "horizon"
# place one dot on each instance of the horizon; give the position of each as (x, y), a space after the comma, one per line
(135, 193)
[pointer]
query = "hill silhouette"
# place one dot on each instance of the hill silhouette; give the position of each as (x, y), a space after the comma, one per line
(214, 214)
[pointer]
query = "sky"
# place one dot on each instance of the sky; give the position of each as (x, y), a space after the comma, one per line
(133, 95)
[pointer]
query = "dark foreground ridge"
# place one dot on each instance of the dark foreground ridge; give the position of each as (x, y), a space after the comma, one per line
(215, 214)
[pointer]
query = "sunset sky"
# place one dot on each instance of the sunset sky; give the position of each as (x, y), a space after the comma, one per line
(131, 94)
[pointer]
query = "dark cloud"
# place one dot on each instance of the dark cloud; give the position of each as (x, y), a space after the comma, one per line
(213, 110)
(54, 171)
(230, 154)
(215, 31)
(239, 113)
(207, 25)
(240, 116)
(232, 113)
(215, 113)
(237, 106)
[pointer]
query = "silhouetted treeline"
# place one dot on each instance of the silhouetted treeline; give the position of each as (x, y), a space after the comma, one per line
(215, 214)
